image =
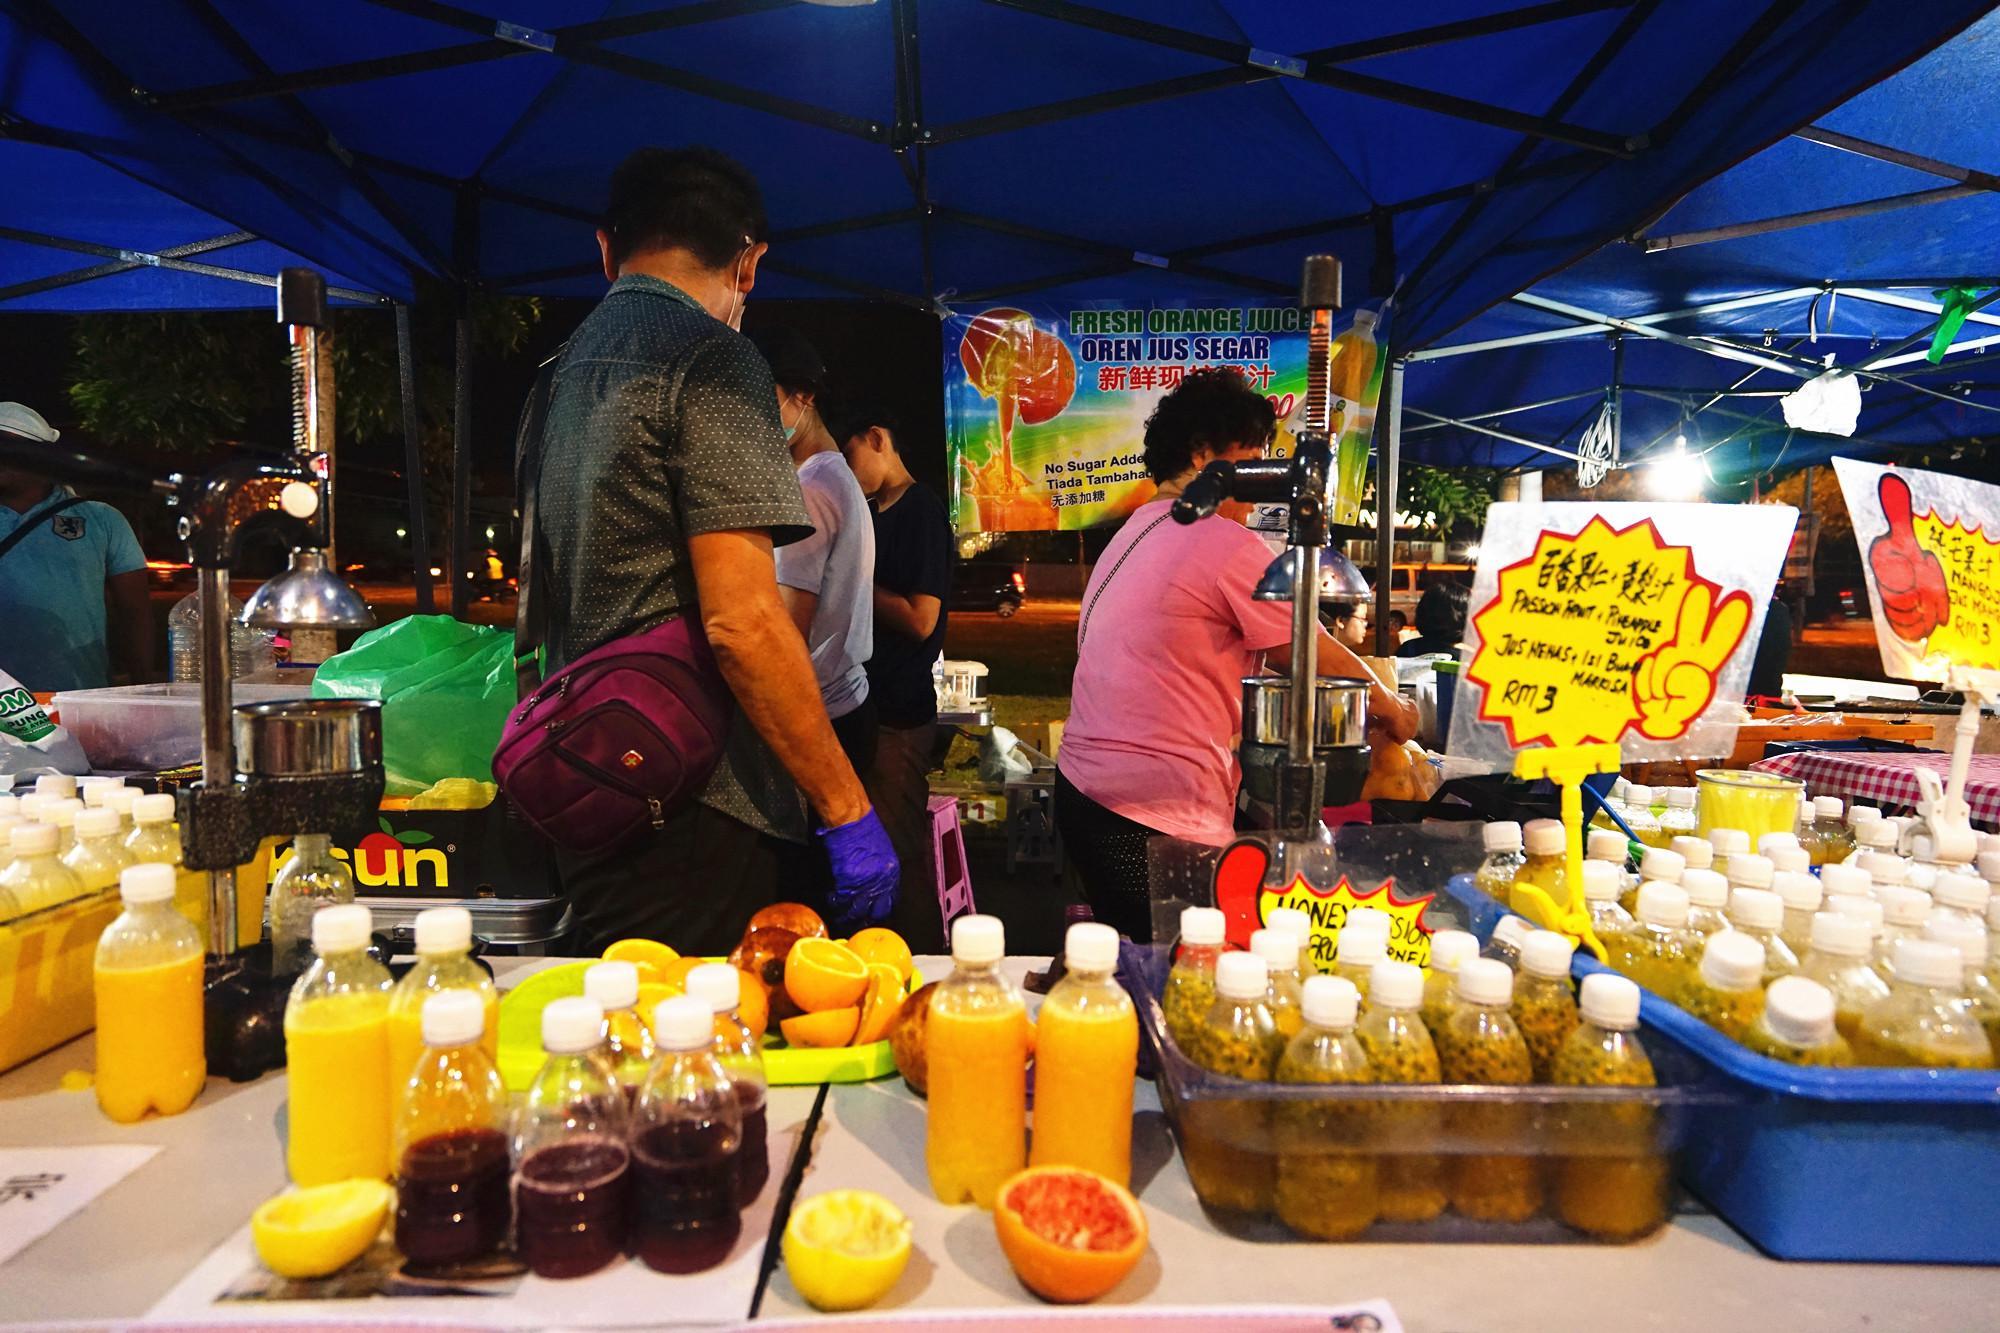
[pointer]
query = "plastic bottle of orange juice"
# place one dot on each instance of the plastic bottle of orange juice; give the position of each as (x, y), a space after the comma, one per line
(976, 1043)
(337, 1055)
(444, 938)
(148, 980)
(1086, 1052)
(156, 838)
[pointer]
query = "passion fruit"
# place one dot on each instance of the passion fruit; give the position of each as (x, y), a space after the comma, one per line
(763, 951)
(906, 1039)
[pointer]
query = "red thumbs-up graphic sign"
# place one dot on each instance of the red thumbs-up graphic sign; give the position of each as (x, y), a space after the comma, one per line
(1908, 578)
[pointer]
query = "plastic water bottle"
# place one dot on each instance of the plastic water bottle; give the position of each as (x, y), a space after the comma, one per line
(250, 649)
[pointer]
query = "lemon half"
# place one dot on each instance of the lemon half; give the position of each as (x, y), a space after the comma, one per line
(320, 1229)
(845, 1249)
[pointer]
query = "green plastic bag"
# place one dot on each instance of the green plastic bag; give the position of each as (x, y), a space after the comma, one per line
(445, 688)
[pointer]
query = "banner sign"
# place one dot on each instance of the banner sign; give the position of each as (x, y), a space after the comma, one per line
(1045, 409)
(1930, 548)
(1631, 624)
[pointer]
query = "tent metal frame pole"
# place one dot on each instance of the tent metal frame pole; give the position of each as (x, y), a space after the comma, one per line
(139, 259)
(1917, 304)
(413, 461)
(1728, 351)
(167, 259)
(1387, 462)
(1736, 231)
(1579, 330)
(1478, 429)
(461, 459)
(1924, 335)
(1827, 138)
(1507, 411)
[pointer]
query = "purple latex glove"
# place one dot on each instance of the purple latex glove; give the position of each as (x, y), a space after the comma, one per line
(865, 872)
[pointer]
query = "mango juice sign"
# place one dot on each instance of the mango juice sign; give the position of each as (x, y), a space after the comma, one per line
(1045, 409)
(1246, 902)
(1931, 554)
(1622, 623)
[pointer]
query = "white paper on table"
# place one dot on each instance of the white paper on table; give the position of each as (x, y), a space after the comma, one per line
(623, 1295)
(40, 1187)
(1374, 1316)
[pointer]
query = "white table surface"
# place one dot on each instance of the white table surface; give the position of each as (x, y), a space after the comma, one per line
(120, 1255)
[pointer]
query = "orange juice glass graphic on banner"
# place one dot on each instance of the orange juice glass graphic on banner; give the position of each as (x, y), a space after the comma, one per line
(1603, 632)
(1030, 375)
(1930, 548)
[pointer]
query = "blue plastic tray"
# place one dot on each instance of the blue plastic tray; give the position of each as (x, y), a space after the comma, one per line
(1877, 1165)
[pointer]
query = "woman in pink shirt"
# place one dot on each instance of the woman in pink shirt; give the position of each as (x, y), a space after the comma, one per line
(1167, 632)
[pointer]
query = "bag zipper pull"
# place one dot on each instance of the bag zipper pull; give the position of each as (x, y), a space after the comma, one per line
(659, 816)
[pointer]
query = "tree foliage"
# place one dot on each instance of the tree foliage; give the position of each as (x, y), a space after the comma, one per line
(1443, 498)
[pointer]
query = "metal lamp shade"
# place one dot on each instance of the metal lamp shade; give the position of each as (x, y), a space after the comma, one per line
(307, 595)
(1339, 580)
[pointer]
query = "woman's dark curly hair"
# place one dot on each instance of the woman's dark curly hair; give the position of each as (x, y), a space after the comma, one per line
(1212, 409)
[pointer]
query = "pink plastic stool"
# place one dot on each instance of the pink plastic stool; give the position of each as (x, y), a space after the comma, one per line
(954, 881)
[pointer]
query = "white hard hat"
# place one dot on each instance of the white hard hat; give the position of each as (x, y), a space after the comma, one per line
(20, 419)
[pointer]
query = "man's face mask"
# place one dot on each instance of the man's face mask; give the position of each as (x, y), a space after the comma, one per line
(797, 423)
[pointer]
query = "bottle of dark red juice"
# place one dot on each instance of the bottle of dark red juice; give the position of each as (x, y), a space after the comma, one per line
(570, 1154)
(687, 1135)
(741, 1055)
(450, 1142)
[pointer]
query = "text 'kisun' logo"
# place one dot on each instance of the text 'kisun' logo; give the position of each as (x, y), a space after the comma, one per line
(387, 859)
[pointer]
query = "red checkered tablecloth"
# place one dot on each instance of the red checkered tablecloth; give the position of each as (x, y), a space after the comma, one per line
(1889, 779)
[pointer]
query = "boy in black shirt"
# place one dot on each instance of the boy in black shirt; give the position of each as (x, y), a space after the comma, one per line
(913, 550)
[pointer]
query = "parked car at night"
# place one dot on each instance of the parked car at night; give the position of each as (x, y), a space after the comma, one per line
(999, 586)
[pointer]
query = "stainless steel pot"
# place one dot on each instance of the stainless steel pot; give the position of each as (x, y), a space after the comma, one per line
(298, 738)
(1341, 720)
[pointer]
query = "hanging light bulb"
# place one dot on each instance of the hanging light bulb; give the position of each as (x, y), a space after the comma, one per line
(1678, 474)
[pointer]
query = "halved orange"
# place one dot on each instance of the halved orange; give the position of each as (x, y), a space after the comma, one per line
(1071, 1234)
(879, 944)
(675, 974)
(824, 974)
(829, 1027)
(878, 1010)
(652, 992)
(644, 952)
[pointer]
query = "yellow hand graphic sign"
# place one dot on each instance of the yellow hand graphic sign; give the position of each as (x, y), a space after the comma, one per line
(1594, 635)
(1970, 559)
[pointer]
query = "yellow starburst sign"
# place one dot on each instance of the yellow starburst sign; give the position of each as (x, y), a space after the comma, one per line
(1602, 633)
(1970, 633)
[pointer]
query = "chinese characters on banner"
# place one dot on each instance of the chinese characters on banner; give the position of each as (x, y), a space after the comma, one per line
(1045, 409)
(1930, 547)
(1615, 623)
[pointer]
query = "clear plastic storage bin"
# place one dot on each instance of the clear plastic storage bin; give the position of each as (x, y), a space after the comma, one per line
(145, 728)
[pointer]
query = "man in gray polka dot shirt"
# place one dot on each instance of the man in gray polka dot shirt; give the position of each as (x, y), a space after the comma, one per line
(665, 485)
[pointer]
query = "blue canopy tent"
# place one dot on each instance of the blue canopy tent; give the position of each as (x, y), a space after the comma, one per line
(920, 150)
(1845, 239)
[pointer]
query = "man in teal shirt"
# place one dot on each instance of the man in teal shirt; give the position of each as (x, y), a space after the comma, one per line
(73, 585)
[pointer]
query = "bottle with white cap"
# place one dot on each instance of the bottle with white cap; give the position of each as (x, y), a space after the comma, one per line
(1988, 863)
(1708, 901)
(454, 1203)
(1659, 952)
(1401, 1050)
(1227, 1158)
(571, 1163)
(1641, 816)
(1797, 1026)
(1727, 991)
(628, 1037)
(1802, 895)
(1371, 921)
(1611, 1198)
(1831, 839)
(1924, 1021)
(1299, 926)
(1962, 896)
(1845, 878)
(1786, 858)
(1760, 914)
(1190, 988)
(1482, 1044)
(1547, 866)
(1750, 870)
(57, 786)
(1087, 1051)
(741, 1054)
(976, 1042)
(1502, 842)
(1877, 854)
(1322, 1194)
(120, 799)
(1544, 1006)
(62, 812)
(1780, 838)
(1608, 847)
(1666, 864)
(444, 962)
(1838, 959)
(1449, 951)
(1504, 944)
(1724, 843)
(686, 1136)
(1695, 852)
(36, 878)
(1678, 819)
(98, 855)
(1601, 888)
(1612, 801)
(1904, 911)
(1982, 996)
(309, 878)
(1355, 955)
(1280, 952)
(147, 980)
(339, 1103)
